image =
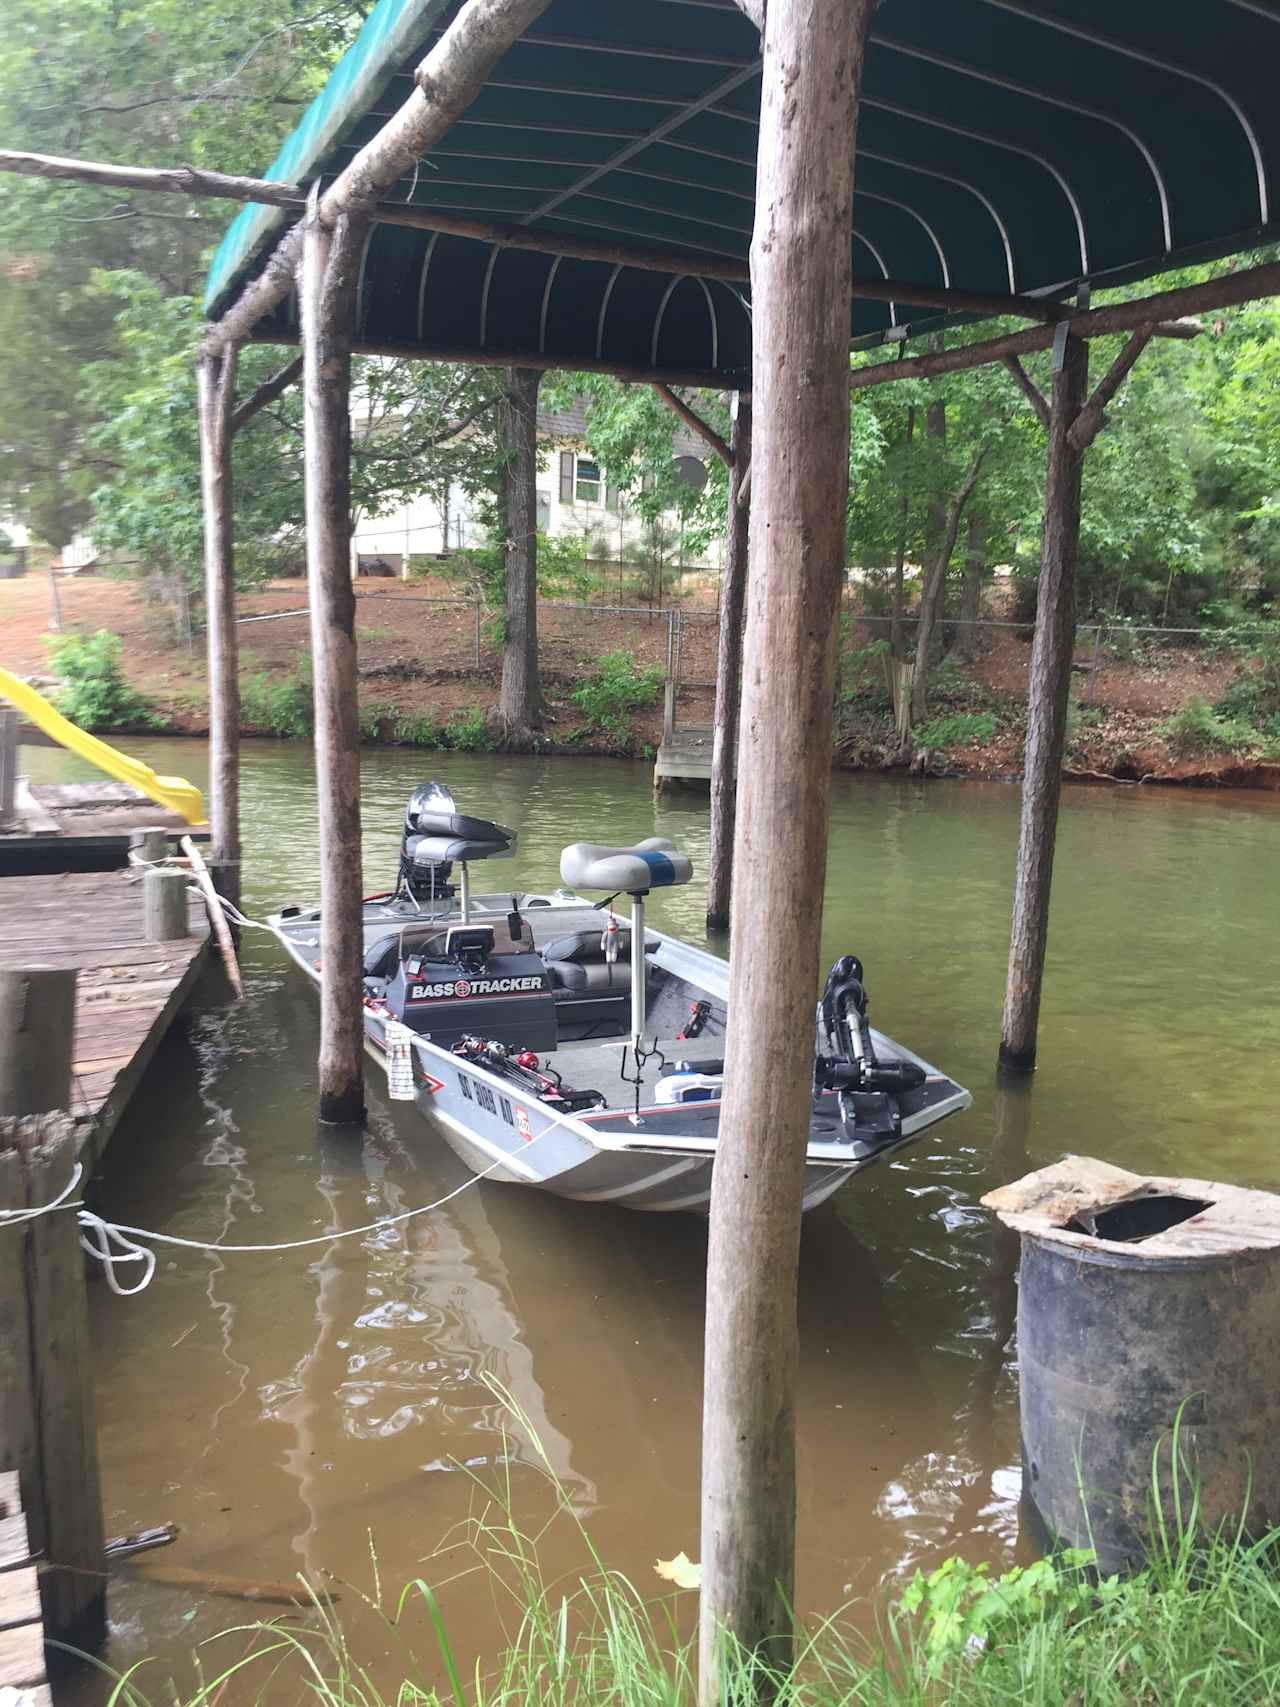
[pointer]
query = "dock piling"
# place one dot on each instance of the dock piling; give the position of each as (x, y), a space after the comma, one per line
(37, 1032)
(8, 765)
(164, 903)
(47, 1427)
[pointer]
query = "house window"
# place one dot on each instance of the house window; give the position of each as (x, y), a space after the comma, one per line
(582, 482)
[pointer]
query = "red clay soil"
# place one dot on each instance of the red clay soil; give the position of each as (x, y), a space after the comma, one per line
(418, 656)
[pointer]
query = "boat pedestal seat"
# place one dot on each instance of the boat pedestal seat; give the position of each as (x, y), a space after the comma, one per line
(652, 864)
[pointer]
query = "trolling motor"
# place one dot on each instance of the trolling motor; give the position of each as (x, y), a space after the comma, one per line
(853, 1064)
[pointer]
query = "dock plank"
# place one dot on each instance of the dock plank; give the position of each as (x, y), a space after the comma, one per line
(128, 991)
(19, 1597)
(22, 1656)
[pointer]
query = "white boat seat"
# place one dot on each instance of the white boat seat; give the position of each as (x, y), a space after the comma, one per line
(652, 864)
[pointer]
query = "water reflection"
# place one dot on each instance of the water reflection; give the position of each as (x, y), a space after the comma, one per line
(283, 1407)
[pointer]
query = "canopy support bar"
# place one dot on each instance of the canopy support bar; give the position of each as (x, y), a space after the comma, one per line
(800, 272)
(267, 393)
(694, 421)
(724, 737)
(1048, 694)
(1092, 418)
(330, 273)
(1029, 389)
(1166, 311)
(216, 379)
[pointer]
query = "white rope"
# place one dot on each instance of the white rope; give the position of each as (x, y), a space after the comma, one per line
(10, 1217)
(113, 1243)
(104, 1231)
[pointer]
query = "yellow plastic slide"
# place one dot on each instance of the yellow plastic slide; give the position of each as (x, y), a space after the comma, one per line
(171, 791)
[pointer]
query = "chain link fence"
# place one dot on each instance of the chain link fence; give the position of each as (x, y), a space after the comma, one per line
(414, 635)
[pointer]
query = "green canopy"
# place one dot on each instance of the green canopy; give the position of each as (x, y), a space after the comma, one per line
(1002, 147)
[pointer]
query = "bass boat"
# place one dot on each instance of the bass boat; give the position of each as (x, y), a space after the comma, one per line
(558, 1045)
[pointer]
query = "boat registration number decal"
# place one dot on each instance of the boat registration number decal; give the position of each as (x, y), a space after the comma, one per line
(523, 1126)
(459, 989)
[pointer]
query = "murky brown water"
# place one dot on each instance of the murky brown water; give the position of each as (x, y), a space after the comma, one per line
(284, 1409)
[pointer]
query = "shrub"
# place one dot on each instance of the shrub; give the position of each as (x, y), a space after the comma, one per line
(95, 692)
(283, 707)
(420, 731)
(960, 729)
(615, 688)
(1198, 726)
(1253, 693)
(469, 732)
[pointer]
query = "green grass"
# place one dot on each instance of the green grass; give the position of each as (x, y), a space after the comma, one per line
(1199, 1625)
(960, 729)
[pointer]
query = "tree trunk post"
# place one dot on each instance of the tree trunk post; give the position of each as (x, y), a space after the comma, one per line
(520, 702)
(975, 566)
(724, 740)
(8, 764)
(330, 270)
(1047, 697)
(217, 383)
(47, 1428)
(800, 269)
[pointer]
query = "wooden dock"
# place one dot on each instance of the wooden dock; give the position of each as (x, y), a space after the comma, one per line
(684, 759)
(80, 826)
(128, 991)
(22, 1668)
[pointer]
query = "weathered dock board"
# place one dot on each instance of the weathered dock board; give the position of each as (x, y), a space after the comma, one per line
(684, 759)
(80, 826)
(129, 990)
(22, 1668)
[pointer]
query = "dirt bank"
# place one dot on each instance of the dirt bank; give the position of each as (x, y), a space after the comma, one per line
(426, 658)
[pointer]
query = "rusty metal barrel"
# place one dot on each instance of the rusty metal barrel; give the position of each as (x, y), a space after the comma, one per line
(1148, 1350)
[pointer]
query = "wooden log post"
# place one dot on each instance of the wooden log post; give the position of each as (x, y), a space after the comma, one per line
(47, 1428)
(520, 701)
(164, 904)
(8, 764)
(724, 737)
(37, 1034)
(216, 381)
(1047, 701)
(800, 272)
(330, 270)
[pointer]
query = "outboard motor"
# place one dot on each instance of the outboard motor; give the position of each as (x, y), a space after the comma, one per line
(426, 879)
(865, 1085)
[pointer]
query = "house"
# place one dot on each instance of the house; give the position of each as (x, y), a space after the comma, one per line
(575, 496)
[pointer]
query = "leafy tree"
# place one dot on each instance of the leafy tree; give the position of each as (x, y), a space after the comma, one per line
(150, 83)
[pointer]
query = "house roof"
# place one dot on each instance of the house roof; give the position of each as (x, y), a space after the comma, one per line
(1003, 145)
(569, 426)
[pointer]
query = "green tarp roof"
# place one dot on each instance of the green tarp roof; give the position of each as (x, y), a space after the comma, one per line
(1001, 146)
